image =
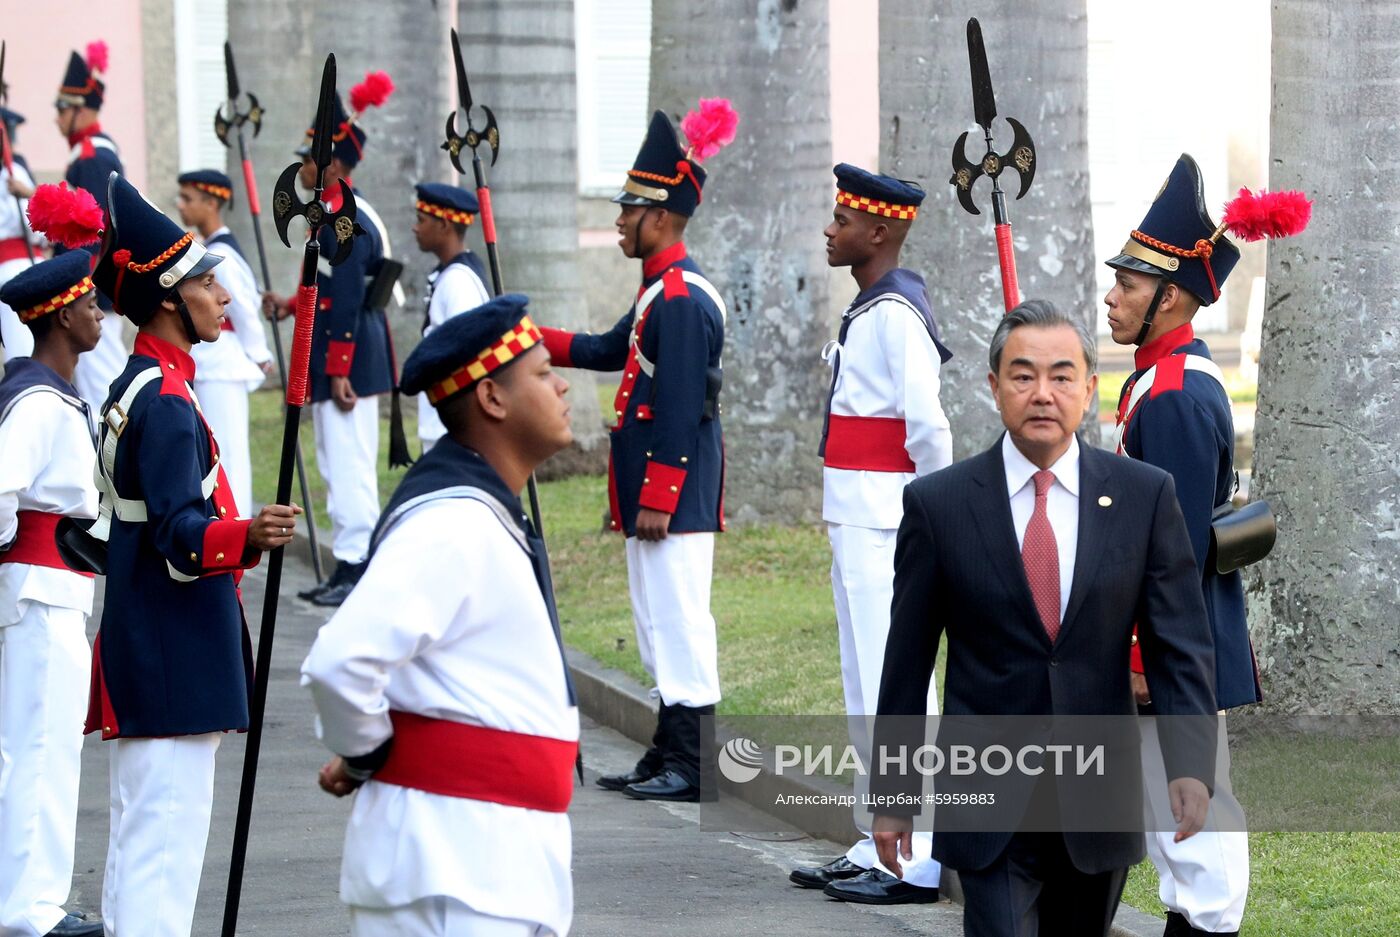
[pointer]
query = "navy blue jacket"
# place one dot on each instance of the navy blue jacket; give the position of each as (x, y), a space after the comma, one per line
(350, 340)
(1184, 426)
(172, 656)
(667, 453)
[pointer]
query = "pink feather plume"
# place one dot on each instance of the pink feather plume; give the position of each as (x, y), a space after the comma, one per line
(711, 128)
(97, 56)
(1253, 216)
(70, 217)
(372, 92)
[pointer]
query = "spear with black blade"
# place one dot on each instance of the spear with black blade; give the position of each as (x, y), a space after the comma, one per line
(9, 160)
(491, 136)
(223, 124)
(1021, 157)
(285, 206)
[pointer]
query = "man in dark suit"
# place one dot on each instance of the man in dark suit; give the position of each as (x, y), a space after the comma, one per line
(1035, 559)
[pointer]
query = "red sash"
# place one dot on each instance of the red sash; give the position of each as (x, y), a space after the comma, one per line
(35, 543)
(13, 249)
(867, 443)
(477, 763)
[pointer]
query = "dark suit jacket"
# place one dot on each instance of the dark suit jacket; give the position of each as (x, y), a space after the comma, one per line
(958, 573)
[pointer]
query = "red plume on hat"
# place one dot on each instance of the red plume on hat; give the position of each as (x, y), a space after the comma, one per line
(711, 128)
(70, 217)
(1253, 216)
(96, 56)
(372, 92)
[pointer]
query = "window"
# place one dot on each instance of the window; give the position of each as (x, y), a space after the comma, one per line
(201, 27)
(613, 48)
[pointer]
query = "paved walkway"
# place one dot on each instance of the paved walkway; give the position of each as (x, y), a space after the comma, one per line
(639, 868)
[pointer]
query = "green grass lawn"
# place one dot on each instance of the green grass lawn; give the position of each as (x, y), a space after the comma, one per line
(777, 644)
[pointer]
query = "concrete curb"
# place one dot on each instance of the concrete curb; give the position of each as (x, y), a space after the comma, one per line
(613, 699)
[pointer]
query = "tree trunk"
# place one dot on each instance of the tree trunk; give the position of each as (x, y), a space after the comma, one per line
(520, 58)
(758, 235)
(1325, 605)
(1038, 55)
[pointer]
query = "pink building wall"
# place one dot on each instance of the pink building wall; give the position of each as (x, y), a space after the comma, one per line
(38, 37)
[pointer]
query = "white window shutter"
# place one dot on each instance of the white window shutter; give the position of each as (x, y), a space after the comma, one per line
(201, 27)
(613, 42)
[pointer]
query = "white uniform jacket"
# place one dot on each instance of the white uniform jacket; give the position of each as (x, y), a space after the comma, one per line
(452, 289)
(239, 353)
(47, 455)
(448, 622)
(886, 426)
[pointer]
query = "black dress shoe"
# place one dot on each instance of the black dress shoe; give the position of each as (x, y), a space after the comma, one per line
(877, 887)
(74, 926)
(616, 782)
(823, 875)
(342, 583)
(668, 785)
(337, 576)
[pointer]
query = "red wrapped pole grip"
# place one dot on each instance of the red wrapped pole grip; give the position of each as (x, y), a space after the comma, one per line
(251, 187)
(1006, 256)
(488, 217)
(301, 345)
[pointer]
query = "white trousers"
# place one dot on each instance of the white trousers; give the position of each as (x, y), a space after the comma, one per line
(18, 340)
(347, 450)
(1205, 879)
(862, 586)
(162, 797)
(97, 369)
(225, 408)
(669, 582)
(437, 917)
(44, 664)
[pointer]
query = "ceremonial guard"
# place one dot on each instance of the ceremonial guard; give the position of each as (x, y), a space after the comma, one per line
(230, 369)
(172, 660)
(351, 363)
(17, 241)
(883, 428)
(457, 283)
(92, 158)
(666, 471)
(46, 474)
(441, 682)
(1174, 412)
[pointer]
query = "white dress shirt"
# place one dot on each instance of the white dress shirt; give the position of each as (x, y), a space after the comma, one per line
(1061, 504)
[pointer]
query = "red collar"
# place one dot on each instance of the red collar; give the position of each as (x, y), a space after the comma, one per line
(1163, 345)
(166, 353)
(78, 136)
(657, 263)
(332, 196)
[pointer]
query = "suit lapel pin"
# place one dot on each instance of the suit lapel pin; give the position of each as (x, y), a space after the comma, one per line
(1105, 501)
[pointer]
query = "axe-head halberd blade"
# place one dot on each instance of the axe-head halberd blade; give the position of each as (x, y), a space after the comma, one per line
(984, 103)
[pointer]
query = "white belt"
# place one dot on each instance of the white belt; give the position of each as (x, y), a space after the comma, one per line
(649, 296)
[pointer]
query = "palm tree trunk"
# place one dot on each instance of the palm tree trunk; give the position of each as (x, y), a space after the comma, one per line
(520, 58)
(758, 233)
(1325, 605)
(1038, 54)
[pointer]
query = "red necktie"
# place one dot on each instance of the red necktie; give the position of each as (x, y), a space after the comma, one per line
(1041, 557)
